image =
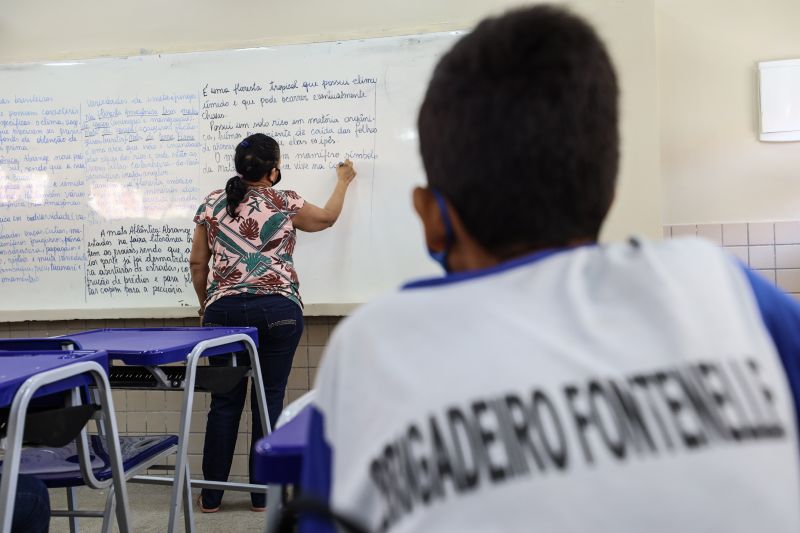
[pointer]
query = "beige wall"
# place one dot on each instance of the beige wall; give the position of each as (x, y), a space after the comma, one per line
(713, 166)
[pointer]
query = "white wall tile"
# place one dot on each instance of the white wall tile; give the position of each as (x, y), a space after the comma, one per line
(195, 464)
(788, 279)
(298, 378)
(300, 356)
(137, 423)
(761, 233)
(686, 230)
(762, 257)
(172, 422)
(197, 424)
(712, 232)
(155, 401)
(136, 400)
(156, 422)
(315, 355)
(317, 334)
(740, 252)
(122, 422)
(787, 233)
(787, 255)
(734, 234)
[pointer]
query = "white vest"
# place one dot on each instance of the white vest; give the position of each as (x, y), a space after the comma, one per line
(616, 388)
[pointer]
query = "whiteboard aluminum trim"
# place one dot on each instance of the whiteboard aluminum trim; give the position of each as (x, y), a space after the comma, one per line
(147, 313)
(271, 47)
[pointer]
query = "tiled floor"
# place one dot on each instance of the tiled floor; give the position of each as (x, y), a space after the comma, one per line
(149, 511)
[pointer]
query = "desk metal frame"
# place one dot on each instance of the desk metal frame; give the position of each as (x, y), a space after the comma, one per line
(16, 428)
(182, 475)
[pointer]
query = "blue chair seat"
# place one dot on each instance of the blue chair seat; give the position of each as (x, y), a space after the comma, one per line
(59, 467)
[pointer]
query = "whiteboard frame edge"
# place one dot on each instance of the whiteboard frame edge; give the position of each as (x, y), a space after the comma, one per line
(68, 61)
(145, 313)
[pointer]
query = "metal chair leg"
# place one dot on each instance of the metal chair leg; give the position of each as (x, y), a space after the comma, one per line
(108, 511)
(181, 458)
(274, 506)
(188, 504)
(119, 482)
(72, 505)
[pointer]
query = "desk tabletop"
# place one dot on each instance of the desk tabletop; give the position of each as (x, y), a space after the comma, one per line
(16, 367)
(157, 346)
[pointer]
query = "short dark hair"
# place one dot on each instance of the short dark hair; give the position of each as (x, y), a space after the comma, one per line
(518, 130)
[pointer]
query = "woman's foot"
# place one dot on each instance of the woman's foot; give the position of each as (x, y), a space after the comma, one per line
(258, 502)
(205, 509)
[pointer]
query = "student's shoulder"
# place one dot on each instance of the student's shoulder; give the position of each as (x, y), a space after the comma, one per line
(386, 308)
(701, 267)
(353, 341)
(385, 317)
(674, 247)
(690, 253)
(678, 244)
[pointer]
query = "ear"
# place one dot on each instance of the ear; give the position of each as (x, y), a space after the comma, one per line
(273, 176)
(431, 217)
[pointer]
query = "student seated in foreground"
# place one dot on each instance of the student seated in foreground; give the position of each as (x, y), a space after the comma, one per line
(550, 383)
(31, 506)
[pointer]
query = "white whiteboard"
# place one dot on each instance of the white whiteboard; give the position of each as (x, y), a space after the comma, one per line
(104, 162)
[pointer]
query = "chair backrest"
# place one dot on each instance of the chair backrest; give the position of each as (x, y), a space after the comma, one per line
(302, 507)
(38, 344)
(22, 345)
(291, 410)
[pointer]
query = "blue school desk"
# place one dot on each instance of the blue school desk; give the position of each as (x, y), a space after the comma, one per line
(146, 351)
(25, 376)
(278, 461)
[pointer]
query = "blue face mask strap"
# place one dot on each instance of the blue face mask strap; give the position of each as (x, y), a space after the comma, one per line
(449, 236)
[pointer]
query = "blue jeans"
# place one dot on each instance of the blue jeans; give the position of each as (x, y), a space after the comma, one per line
(31, 506)
(280, 325)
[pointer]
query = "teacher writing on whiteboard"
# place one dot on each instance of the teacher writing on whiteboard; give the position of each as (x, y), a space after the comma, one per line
(247, 233)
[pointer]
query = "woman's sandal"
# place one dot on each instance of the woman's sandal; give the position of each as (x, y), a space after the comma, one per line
(205, 509)
(258, 509)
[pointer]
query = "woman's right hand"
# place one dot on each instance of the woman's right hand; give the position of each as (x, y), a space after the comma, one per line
(345, 172)
(313, 218)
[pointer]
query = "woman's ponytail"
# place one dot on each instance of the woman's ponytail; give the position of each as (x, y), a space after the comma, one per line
(235, 190)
